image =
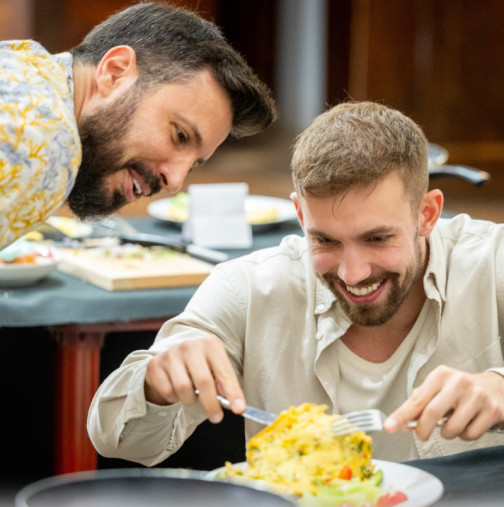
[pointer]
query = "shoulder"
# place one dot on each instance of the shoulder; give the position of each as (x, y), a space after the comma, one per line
(292, 249)
(465, 247)
(279, 265)
(463, 230)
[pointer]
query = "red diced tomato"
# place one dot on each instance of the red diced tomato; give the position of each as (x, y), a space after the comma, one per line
(391, 498)
(345, 473)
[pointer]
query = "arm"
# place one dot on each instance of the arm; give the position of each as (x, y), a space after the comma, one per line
(146, 409)
(474, 402)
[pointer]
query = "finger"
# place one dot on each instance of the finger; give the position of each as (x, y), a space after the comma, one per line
(157, 386)
(414, 407)
(226, 380)
(207, 389)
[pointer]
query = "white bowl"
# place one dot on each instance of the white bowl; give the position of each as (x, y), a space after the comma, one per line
(25, 274)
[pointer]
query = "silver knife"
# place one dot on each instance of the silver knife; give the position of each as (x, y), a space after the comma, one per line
(175, 243)
(252, 413)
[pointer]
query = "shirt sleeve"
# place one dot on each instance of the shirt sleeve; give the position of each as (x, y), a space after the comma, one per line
(121, 423)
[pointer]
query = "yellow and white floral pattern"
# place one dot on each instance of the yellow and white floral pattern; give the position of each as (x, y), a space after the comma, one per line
(40, 150)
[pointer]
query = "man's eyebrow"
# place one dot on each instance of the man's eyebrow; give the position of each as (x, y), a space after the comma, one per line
(378, 231)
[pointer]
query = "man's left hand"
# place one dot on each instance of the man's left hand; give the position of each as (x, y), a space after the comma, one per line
(473, 403)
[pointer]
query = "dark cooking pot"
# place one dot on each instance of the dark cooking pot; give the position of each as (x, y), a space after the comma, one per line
(439, 169)
(143, 487)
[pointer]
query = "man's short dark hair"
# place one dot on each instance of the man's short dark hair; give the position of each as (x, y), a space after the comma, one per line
(171, 44)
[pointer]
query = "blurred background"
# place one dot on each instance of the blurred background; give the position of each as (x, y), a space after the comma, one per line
(439, 61)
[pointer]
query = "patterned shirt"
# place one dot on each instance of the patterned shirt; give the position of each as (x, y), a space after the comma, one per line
(40, 150)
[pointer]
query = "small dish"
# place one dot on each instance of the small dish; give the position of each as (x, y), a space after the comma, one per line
(15, 273)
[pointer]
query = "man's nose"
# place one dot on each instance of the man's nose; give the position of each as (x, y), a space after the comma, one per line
(353, 268)
(174, 173)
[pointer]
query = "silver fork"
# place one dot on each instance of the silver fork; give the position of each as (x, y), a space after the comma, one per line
(372, 420)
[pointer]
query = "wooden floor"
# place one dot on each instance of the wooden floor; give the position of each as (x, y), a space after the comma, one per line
(263, 162)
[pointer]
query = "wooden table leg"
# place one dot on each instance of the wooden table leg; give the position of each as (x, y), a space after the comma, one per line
(78, 348)
(77, 379)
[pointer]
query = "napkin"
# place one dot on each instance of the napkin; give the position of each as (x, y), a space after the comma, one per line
(217, 216)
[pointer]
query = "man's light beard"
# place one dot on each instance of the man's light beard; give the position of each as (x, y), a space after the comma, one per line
(376, 314)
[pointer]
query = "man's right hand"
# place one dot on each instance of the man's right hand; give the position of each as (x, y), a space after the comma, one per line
(201, 364)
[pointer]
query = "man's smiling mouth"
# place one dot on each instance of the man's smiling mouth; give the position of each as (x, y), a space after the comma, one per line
(137, 188)
(363, 291)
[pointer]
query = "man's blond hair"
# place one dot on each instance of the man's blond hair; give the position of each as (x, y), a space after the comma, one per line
(354, 145)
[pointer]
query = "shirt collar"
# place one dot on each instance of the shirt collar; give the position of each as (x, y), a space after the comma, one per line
(435, 274)
(324, 298)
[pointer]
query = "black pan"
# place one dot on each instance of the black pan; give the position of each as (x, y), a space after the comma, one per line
(439, 169)
(143, 487)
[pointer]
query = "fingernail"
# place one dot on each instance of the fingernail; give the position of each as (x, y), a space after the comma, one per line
(216, 418)
(238, 405)
(391, 424)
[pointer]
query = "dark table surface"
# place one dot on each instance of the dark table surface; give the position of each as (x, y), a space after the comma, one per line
(470, 478)
(65, 299)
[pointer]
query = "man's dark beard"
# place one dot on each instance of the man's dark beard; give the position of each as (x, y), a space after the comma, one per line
(102, 136)
(374, 314)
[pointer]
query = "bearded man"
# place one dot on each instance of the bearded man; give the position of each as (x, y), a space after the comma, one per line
(147, 96)
(382, 304)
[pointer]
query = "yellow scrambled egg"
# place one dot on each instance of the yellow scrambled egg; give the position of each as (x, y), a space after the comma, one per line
(179, 211)
(297, 453)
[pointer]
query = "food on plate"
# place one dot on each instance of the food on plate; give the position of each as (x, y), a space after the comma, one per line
(21, 252)
(127, 251)
(298, 454)
(70, 226)
(256, 214)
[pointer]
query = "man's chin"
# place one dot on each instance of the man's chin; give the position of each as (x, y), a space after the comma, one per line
(95, 209)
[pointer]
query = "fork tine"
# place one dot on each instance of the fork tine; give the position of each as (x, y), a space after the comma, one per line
(359, 420)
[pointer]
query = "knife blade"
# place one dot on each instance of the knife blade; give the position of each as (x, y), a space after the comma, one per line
(252, 413)
(175, 243)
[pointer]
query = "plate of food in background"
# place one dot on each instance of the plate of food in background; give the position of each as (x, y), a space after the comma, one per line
(25, 263)
(262, 211)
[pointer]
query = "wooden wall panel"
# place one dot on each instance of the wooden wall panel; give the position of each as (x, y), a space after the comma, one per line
(60, 25)
(440, 61)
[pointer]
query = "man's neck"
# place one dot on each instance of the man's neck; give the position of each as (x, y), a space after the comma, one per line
(84, 87)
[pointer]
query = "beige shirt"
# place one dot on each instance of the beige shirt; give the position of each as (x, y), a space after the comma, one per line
(280, 326)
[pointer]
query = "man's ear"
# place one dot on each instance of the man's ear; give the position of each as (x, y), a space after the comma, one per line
(430, 211)
(299, 212)
(117, 67)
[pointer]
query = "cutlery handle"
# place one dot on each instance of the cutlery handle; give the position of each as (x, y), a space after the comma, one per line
(498, 428)
(207, 254)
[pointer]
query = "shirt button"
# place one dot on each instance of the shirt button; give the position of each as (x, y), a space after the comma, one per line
(318, 336)
(320, 308)
(162, 414)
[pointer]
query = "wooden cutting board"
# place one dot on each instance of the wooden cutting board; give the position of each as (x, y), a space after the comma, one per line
(174, 270)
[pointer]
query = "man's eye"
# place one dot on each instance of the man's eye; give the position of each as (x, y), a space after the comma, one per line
(378, 239)
(322, 240)
(181, 137)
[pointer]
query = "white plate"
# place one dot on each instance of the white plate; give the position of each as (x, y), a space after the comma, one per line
(160, 209)
(421, 488)
(25, 274)
(71, 226)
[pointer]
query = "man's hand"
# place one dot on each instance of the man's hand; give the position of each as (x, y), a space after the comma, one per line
(473, 402)
(200, 364)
